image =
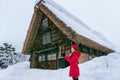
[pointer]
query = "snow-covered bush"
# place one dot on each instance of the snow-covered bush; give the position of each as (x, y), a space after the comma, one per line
(8, 56)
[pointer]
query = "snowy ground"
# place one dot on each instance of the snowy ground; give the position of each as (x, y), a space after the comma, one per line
(101, 68)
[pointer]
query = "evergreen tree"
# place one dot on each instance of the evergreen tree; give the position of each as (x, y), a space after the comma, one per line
(7, 55)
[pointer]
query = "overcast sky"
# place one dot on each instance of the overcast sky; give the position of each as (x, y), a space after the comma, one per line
(15, 17)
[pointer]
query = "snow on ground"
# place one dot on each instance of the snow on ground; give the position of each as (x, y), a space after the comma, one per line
(101, 68)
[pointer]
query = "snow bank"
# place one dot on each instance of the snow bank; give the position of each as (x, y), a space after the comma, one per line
(100, 68)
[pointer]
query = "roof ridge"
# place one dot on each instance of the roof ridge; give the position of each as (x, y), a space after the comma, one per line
(60, 8)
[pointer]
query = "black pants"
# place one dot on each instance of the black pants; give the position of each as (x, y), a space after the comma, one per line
(75, 78)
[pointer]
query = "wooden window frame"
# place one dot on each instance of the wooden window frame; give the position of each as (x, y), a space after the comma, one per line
(46, 38)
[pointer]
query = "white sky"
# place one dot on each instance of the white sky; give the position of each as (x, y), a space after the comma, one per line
(15, 16)
(101, 15)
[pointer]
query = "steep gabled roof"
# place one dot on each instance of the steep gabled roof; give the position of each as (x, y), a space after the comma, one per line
(68, 24)
(75, 23)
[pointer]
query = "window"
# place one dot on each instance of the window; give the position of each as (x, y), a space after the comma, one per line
(52, 56)
(46, 38)
(45, 23)
(49, 57)
(42, 58)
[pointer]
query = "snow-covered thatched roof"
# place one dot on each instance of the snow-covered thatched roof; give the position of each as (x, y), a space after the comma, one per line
(72, 20)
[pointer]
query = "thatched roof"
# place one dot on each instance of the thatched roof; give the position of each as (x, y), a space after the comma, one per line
(52, 11)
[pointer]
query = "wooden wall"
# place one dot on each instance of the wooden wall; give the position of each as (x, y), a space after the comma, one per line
(59, 40)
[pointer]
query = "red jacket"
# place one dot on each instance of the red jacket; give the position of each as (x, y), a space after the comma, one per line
(73, 60)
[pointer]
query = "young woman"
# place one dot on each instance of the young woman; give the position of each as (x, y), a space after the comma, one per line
(72, 58)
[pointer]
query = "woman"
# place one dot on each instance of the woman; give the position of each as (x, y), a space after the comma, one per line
(74, 71)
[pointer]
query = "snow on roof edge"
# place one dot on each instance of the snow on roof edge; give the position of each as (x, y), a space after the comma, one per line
(58, 7)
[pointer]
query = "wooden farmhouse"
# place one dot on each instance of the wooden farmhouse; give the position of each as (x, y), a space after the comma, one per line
(52, 31)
